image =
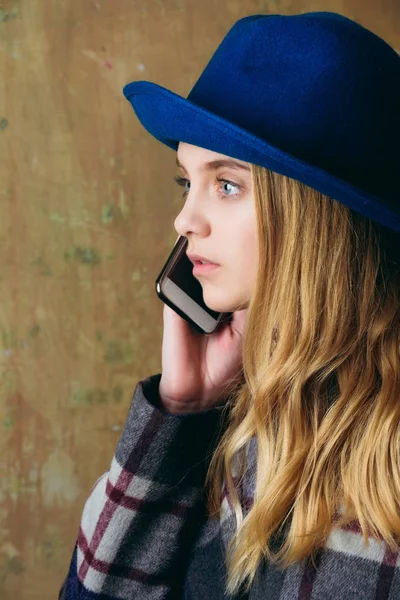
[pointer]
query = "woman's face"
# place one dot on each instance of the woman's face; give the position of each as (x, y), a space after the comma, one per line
(219, 220)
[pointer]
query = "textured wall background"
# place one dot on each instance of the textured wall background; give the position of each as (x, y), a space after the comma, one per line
(87, 205)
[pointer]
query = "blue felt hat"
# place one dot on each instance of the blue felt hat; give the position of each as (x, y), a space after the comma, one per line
(314, 96)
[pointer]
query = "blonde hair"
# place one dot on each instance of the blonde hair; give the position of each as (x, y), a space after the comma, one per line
(320, 385)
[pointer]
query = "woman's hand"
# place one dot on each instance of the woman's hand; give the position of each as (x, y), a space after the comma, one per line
(196, 368)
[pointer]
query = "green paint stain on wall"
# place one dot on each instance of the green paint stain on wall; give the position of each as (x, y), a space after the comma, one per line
(85, 256)
(6, 15)
(89, 397)
(44, 269)
(8, 422)
(34, 331)
(3, 123)
(77, 396)
(107, 214)
(96, 396)
(57, 218)
(8, 339)
(119, 211)
(113, 353)
(14, 565)
(118, 352)
(47, 548)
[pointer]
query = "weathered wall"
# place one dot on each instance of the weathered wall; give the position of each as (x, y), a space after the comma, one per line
(87, 205)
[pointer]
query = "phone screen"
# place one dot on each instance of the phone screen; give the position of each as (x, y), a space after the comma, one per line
(181, 274)
(181, 290)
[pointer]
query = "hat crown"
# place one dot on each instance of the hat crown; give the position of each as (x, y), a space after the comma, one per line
(313, 96)
(317, 85)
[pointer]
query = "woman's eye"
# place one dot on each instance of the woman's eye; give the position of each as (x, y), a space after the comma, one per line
(182, 181)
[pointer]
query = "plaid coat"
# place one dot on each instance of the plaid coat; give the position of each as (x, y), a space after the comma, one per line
(145, 535)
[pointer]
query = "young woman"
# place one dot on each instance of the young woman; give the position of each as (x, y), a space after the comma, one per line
(264, 461)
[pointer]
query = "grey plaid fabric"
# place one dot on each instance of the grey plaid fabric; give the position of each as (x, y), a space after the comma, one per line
(145, 534)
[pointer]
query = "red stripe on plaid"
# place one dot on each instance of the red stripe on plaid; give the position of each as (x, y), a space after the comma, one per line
(84, 546)
(355, 527)
(146, 506)
(309, 574)
(145, 440)
(118, 570)
(246, 502)
(352, 527)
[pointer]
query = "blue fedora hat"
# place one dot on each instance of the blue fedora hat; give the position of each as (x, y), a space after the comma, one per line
(314, 96)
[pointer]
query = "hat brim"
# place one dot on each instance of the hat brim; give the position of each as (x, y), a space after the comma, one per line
(171, 119)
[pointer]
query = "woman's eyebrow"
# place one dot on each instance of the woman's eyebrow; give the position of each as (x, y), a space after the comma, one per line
(214, 164)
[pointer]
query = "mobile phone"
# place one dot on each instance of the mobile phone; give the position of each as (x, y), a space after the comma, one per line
(180, 290)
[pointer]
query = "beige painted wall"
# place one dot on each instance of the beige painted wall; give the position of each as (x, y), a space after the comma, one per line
(87, 205)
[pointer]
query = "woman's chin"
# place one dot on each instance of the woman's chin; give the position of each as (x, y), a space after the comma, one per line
(224, 306)
(218, 306)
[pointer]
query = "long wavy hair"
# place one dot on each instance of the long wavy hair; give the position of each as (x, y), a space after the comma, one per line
(320, 383)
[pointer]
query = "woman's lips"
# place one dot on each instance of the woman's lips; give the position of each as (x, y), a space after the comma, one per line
(200, 269)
